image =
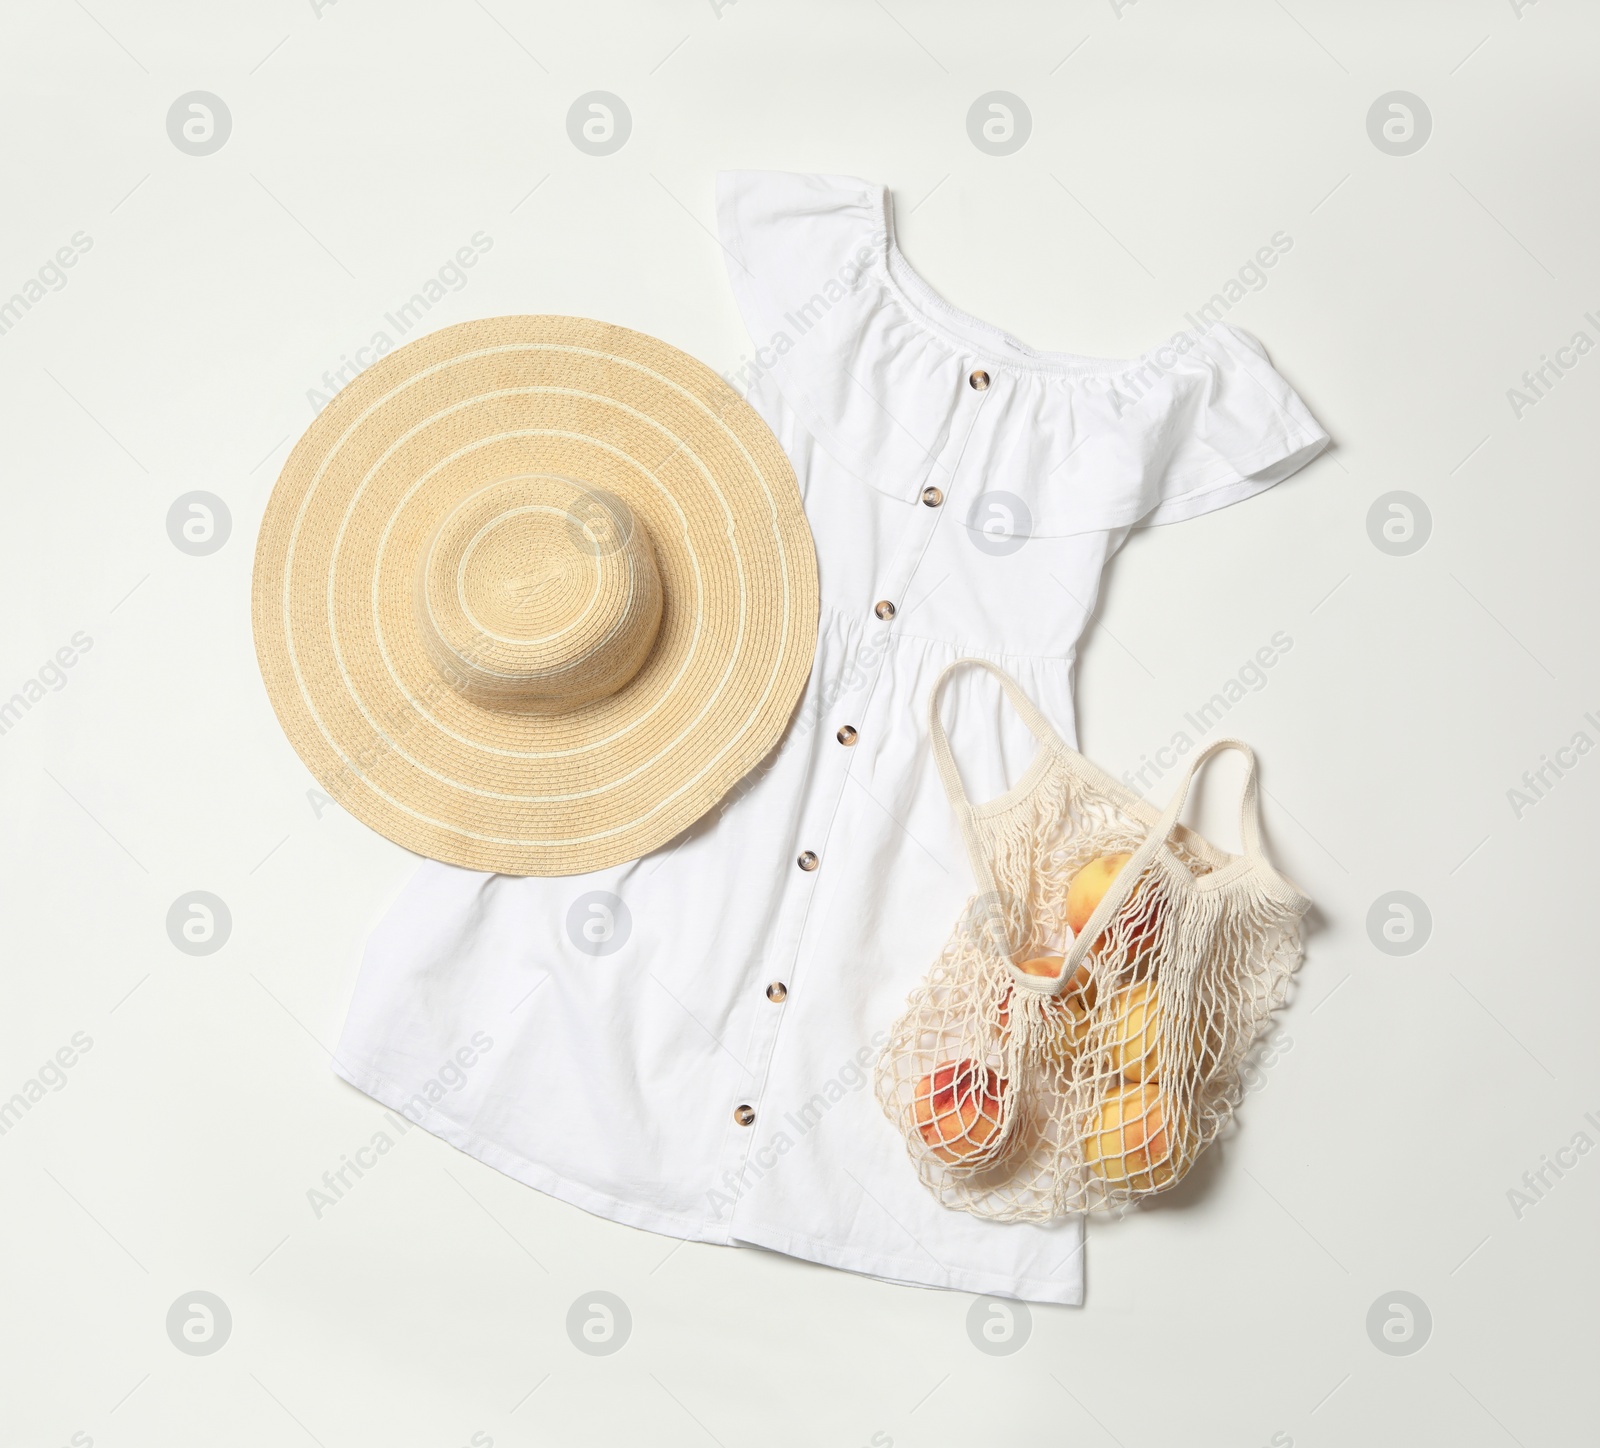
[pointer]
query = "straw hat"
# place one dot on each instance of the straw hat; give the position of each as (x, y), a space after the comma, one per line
(532, 593)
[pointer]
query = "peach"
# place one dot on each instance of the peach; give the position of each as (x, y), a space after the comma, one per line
(1046, 966)
(1136, 1032)
(1068, 1012)
(958, 1109)
(1140, 1043)
(1129, 1144)
(1087, 889)
(1088, 885)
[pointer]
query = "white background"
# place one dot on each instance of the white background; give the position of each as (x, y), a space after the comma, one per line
(1169, 142)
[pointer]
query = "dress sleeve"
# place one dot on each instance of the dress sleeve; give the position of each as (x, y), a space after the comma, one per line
(1235, 430)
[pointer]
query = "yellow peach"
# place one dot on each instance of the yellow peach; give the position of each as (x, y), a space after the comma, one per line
(1136, 1032)
(1141, 1044)
(1129, 1144)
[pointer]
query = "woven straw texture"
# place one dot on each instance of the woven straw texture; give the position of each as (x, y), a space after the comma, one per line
(532, 593)
(1096, 1079)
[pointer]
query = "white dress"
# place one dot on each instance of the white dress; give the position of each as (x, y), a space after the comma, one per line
(685, 1043)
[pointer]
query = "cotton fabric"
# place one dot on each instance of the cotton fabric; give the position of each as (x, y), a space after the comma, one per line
(978, 487)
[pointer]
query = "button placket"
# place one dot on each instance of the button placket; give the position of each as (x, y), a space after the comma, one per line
(901, 574)
(740, 1163)
(820, 815)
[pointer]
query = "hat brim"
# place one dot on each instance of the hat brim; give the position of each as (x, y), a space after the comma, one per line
(495, 788)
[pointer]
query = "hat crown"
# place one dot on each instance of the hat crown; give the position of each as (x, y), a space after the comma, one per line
(538, 594)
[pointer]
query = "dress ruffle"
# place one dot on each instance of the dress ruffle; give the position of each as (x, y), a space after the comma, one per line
(875, 363)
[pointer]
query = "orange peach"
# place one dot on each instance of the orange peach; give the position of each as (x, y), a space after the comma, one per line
(1087, 889)
(1089, 885)
(1043, 965)
(1068, 1012)
(1129, 1144)
(958, 1109)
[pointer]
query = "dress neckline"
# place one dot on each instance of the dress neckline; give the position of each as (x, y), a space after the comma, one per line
(970, 334)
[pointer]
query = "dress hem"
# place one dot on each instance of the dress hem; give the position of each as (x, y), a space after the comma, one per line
(895, 1271)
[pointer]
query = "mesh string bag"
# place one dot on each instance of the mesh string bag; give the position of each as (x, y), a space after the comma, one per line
(1041, 1069)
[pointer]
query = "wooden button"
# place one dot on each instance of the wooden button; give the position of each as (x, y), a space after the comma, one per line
(777, 992)
(808, 861)
(884, 609)
(932, 497)
(979, 380)
(847, 736)
(744, 1115)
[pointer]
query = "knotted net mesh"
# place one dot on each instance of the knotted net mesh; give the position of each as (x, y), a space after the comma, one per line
(1023, 1097)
